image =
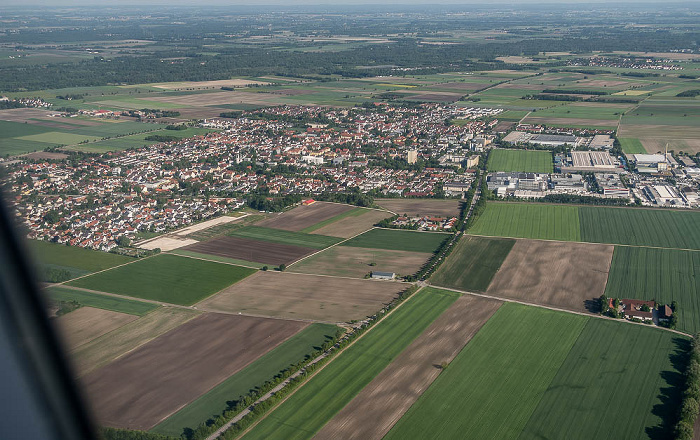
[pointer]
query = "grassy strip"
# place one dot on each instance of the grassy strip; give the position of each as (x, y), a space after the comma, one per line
(185, 253)
(75, 257)
(305, 412)
(492, 387)
(167, 278)
(228, 393)
(473, 263)
(286, 237)
(398, 240)
(610, 356)
(356, 212)
(100, 301)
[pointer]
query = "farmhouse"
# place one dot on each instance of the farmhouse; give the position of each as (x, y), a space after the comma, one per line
(383, 275)
(633, 308)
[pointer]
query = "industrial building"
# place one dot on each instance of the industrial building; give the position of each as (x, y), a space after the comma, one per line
(549, 140)
(590, 161)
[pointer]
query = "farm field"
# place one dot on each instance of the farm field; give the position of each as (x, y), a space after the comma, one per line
(306, 411)
(106, 302)
(516, 353)
(87, 323)
(355, 262)
(665, 275)
(611, 355)
(415, 207)
(233, 261)
(301, 296)
(78, 261)
(380, 404)
(473, 263)
(526, 161)
(552, 222)
(399, 240)
(152, 382)
(281, 236)
(289, 352)
(167, 278)
(629, 226)
(250, 250)
(559, 274)
(303, 216)
(348, 226)
(641, 227)
(104, 349)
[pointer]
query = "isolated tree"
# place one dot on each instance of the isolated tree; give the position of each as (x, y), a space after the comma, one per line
(123, 241)
(282, 267)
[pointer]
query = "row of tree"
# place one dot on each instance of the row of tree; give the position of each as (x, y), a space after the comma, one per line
(690, 406)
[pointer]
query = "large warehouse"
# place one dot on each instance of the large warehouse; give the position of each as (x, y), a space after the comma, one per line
(550, 140)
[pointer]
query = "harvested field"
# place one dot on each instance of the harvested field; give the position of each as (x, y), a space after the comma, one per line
(110, 346)
(304, 216)
(354, 262)
(566, 275)
(302, 296)
(167, 243)
(251, 250)
(217, 98)
(290, 238)
(572, 122)
(415, 207)
(379, 405)
(436, 97)
(43, 155)
(87, 323)
(352, 225)
(144, 387)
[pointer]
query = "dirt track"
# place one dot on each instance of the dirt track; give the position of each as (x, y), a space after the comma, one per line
(304, 216)
(372, 413)
(558, 274)
(142, 388)
(251, 250)
(304, 297)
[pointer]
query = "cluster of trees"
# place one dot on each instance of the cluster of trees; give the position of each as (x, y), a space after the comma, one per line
(161, 138)
(55, 275)
(690, 407)
(583, 200)
(575, 92)
(124, 434)
(689, 93)
(276, 204)
(70, 96)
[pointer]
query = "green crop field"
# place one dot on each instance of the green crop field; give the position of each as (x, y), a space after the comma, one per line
(636, 227)
(664, 275)
(167, 278)
(137, 140)
(212, 403)
(399, 240)
(492, 387)
(528, 161)
(552, 222)
(74, 258)
(586, 398)
(632, 146)
(473, 263)
(352, 213)
(96, 300)
(286, 237)
(307, 410)
(217, 258)
(641, 227)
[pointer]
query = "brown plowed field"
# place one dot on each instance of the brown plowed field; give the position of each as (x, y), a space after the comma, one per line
(87, 323)
(304, 297)
(304, 216)
(351, 226)
(558, 274)
(142, 388)
(421, 206)
(354, 262)
(372, 413)
(251, 250)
